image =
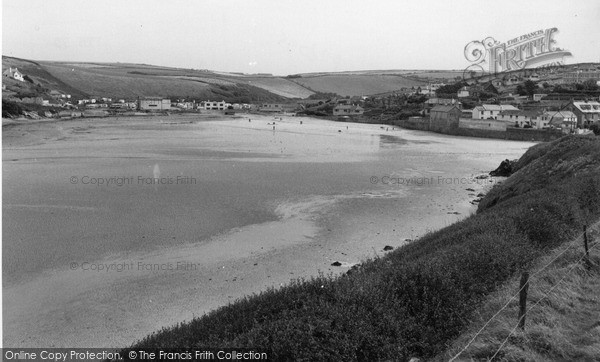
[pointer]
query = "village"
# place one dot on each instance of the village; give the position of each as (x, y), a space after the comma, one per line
(555, 101)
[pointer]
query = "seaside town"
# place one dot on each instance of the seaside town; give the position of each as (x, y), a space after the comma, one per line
(300, 181)
(529, 104)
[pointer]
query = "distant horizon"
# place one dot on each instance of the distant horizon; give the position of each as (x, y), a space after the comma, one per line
(225, 71)
(288, 37)
(258, 73)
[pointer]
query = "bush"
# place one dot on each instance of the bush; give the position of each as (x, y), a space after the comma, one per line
(10, 109)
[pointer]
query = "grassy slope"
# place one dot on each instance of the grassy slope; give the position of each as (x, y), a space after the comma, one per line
(130, 81)
(357, 85)
(125, 80)
(40, 75)
(415, 300)
(563, 324)
(280, 86)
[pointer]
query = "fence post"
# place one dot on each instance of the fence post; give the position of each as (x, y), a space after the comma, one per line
(524, 285)
(585, 245)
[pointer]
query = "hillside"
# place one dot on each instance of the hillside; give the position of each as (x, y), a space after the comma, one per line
(40, 75)
(357, 84)
(135, 80)
(124, 80)
(547, 164)
(415, 300)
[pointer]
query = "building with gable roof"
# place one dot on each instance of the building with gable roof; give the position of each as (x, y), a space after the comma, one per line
(14, 74)
(491, 111)
(445, 116)
(587, 113)
(522, 119)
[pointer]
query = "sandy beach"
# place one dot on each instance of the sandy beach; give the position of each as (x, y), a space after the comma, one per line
(114, 228)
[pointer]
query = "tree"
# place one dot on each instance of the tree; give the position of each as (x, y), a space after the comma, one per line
(590, 84)
(530, 87)
(449, 88)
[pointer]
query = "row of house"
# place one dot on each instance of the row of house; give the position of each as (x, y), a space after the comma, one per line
(575, 115)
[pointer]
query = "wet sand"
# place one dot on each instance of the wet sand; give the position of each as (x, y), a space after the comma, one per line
(240, 208)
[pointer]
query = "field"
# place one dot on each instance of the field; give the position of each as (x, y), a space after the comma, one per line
(357, 85)
(280, 86)
(131, 81)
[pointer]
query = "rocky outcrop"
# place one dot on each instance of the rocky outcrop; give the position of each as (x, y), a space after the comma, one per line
(505, 169)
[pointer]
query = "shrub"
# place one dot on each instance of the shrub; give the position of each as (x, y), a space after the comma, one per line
(10, 109)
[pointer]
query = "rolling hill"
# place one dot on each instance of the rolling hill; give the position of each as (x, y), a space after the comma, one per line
(127, 80)
(357, 84)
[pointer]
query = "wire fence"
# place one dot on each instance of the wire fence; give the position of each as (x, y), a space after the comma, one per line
(571, 245)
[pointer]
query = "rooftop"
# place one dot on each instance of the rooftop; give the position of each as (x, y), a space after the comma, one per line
(496, 107)
(443, 108)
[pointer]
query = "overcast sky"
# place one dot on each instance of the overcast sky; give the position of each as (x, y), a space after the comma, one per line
(285, 37)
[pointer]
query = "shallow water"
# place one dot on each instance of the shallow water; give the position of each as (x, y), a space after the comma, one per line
(238, 207)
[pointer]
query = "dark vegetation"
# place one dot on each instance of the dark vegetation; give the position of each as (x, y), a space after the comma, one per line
(415, 300)
(10, 109)
(243, 93)
(323, 95)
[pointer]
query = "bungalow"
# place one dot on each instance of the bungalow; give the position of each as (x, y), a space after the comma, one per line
(587, 113)
(348, 110)
(271, 107)
(154, 104)
(14, 74)
(57, 94)
(491, 111)
(445, 116)
(463, 92)
(70, 114)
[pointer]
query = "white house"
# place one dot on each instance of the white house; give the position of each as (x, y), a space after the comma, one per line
(463, 92)
(210, 105)
(14, 73)
(347, 110)
(491, 111)
(587, 112)
(523, 119)
(154, 104)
